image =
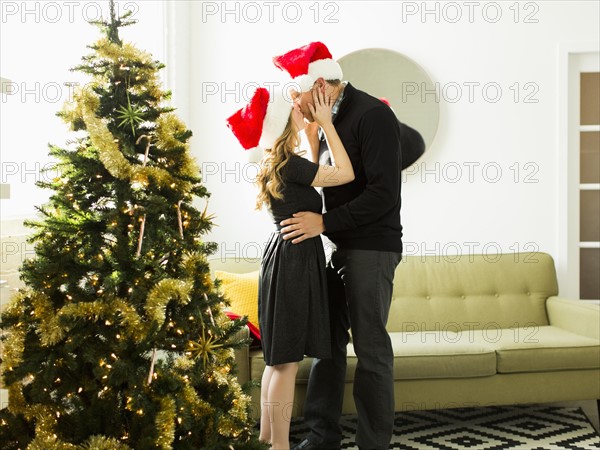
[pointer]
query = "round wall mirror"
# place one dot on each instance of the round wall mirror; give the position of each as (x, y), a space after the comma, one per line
(407, 87)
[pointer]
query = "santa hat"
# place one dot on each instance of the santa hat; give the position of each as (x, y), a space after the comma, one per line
(385, 100)
(262, 121)
(306, 64)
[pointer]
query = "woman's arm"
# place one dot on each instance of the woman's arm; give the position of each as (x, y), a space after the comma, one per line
(312, 135)
(341, 172)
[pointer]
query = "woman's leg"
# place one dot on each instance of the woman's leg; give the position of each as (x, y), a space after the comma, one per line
(281, 399)
(265, 416)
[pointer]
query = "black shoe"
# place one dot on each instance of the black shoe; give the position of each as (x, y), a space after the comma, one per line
(305, 444)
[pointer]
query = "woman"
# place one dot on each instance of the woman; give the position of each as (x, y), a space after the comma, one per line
(293, 308)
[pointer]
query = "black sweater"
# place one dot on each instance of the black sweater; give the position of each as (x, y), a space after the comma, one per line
(365, 214)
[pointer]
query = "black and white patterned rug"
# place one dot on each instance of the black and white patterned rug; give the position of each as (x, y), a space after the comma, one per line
(535, 427)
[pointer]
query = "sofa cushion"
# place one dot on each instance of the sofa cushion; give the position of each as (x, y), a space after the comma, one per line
(538, 349)
(470, 291)
(474, 353)
(241, 289)
(416, 356)
(440, 354)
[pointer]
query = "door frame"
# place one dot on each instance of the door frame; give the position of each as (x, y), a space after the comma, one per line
(573, 58)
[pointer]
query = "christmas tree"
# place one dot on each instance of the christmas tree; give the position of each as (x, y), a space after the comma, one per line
(119, 339)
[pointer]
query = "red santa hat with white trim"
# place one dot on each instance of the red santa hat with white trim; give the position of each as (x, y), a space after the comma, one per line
(307, 63)
(262, 121)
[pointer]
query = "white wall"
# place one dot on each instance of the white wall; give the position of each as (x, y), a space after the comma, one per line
(444, 211)
(40, 42)
(215, 59)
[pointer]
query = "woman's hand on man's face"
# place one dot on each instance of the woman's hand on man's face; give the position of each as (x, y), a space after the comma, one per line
(321, 110)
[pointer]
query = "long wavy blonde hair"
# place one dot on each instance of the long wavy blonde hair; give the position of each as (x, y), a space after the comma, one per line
(269, 181)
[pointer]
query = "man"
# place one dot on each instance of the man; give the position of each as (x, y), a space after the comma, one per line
(362, 219)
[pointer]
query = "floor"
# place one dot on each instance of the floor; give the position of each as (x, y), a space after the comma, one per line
(589, 408)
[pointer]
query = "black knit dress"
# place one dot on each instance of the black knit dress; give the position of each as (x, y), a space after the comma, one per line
(293, 312)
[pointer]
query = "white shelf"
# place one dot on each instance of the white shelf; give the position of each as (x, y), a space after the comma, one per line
(4, 191)
(589, 186)
(4, 188)
(3, 398)
(588, 128)
(3, 84)
(589, 244)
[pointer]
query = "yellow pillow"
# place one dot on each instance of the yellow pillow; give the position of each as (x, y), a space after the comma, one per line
(242, 291)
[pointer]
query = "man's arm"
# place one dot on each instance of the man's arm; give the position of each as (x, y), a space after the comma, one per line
(378, 131)
(381, 158)
(304, 225)
(412, 144)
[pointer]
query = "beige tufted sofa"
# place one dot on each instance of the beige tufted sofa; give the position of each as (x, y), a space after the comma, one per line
(472, 330)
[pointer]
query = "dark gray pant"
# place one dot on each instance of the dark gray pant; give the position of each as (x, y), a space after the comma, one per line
(360, 290)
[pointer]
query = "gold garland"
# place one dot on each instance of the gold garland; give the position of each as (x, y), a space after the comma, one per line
(86, 103)
(15, 340)
(162, 293)
(108, 150)
(198, 406)
(45, 419)
(165, 422)
(50, 329)
(108, 308)
(128, 52)
(49, 441)
(17, 403)
(103, 443)
(168, 126)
